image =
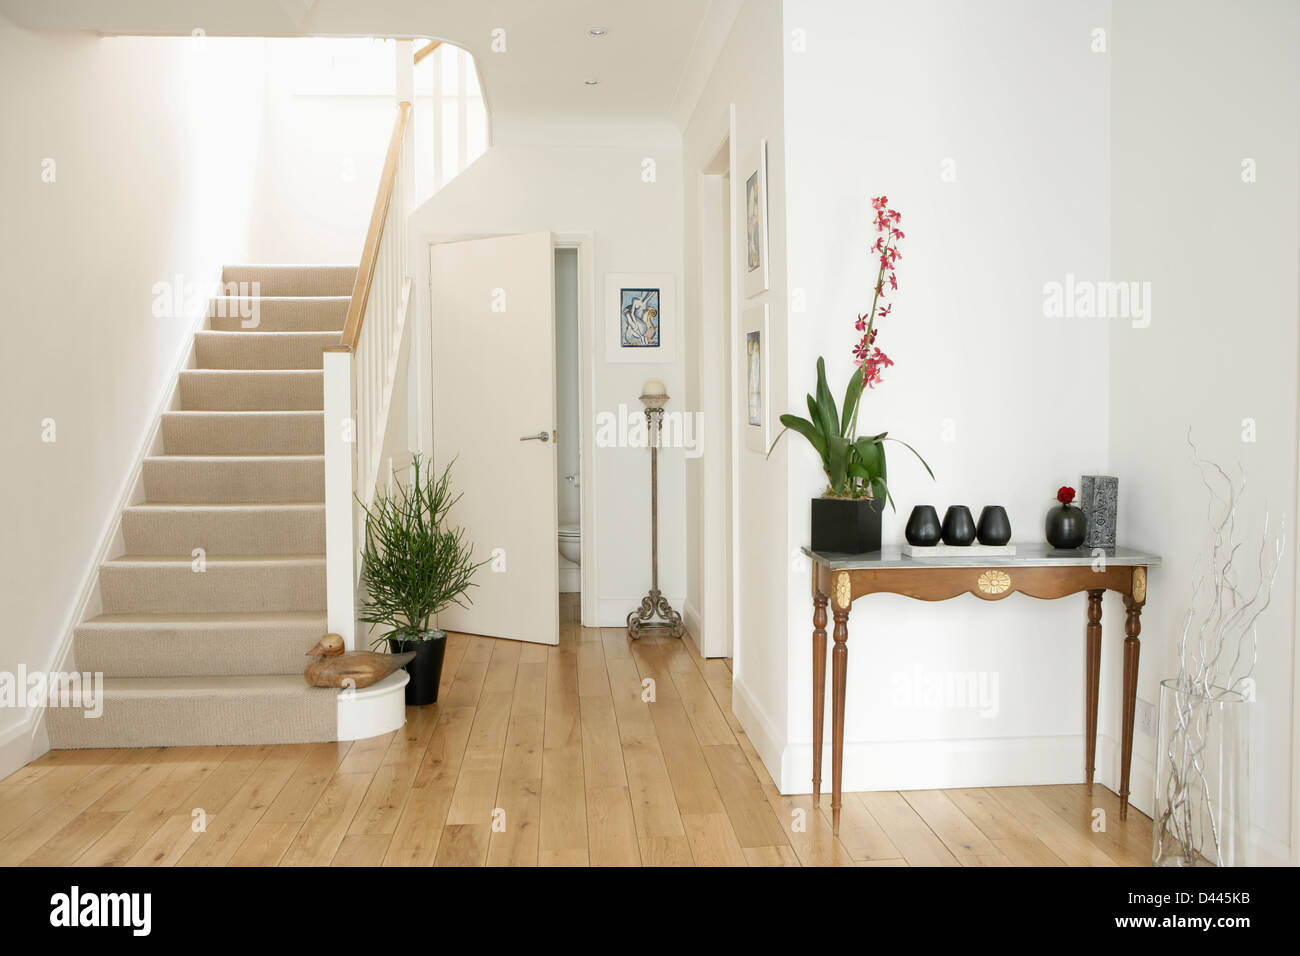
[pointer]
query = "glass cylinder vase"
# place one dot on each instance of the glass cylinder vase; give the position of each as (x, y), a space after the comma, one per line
(1202, 777)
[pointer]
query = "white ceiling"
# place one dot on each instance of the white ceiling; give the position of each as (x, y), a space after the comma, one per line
(651, 63)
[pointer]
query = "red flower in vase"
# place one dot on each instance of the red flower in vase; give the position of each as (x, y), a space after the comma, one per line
(1065, 494)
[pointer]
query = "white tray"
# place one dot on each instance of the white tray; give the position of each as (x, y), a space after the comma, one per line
(921, 552)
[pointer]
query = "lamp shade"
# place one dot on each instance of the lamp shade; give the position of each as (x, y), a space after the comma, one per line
(654, 394)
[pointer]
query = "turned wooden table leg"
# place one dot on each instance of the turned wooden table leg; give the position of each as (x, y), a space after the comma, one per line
(819, 688)
(840, 670)
(1092, 682)
(1132, 647)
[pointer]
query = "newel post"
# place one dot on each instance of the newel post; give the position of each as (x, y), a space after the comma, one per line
(340, 511)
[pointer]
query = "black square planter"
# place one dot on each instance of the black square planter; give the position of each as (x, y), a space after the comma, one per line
(846, 525)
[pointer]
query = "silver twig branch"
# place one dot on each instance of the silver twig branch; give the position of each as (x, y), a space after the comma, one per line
(1216, 663)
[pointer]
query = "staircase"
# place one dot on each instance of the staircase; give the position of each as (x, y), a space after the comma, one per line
(206, 647)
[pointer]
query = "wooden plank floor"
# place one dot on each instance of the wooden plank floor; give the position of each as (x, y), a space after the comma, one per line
(534, 755)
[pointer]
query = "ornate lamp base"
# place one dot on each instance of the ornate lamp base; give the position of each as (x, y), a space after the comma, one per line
(654, 605)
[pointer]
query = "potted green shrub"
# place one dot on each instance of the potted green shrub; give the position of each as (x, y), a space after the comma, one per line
(846, 517)
(415, 566)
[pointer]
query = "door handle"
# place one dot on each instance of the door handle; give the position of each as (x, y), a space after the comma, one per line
(540, 436)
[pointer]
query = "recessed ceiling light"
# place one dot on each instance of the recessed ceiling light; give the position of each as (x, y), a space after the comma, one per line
(597, 31)
(591, 82)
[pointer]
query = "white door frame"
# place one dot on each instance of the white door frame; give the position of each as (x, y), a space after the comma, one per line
(720, 493)
(585, 243)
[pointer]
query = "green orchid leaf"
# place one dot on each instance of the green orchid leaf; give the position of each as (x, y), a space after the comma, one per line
(837, 460)
(830, 419)
(852, 395)
(808, 431)
(916, 453)
(872, 456)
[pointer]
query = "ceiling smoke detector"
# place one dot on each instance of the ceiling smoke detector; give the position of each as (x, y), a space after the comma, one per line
(597, 32)
(591, 82)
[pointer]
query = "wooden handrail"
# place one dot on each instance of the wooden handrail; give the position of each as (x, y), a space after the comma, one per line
(370, 251)
(424, 51)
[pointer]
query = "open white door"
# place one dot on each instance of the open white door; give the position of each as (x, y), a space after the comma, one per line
(493, 311)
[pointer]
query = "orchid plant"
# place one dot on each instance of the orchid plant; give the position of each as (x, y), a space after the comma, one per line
(855, 466)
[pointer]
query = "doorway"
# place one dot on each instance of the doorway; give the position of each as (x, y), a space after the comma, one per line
(568, 431)
(718, 612)
(492, 306)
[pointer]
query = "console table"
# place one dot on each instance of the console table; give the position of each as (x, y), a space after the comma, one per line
(1036, 570)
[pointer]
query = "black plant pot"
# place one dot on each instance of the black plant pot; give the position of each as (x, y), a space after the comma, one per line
(958, 526)
(923, 529)
(426, 669)
(994, 526)
(1066, 527)
(846, 525)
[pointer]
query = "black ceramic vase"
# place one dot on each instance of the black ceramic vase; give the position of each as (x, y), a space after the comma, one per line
(1066, 527)
(426, 669)
(923, 528)
(958, 526)
(994, 526)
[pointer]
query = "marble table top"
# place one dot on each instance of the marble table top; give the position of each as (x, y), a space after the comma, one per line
(1031, 555)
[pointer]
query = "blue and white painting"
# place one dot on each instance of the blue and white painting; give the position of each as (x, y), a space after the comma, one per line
(639, 318)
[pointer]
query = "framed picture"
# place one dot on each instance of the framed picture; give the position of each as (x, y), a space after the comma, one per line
(753, 177)
(641, 317)
(756, 378)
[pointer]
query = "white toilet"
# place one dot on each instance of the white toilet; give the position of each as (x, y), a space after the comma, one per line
(570, 538)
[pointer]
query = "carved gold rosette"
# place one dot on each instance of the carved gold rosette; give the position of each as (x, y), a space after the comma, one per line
(1140, 585)
(994, 582)
(843, 590)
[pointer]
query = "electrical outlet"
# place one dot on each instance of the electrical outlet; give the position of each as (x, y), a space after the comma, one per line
(1144, 715)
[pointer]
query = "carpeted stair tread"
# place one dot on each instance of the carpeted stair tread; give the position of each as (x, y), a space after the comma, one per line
(261, 350)
(278, 313)
(225, 390)
(290, 280)
(163, 584)
(234, 478)
(244, 433)
(201, 711)
(231, 529)
(188, 644)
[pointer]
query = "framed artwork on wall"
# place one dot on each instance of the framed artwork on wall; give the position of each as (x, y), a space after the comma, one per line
(641, 317)
(756, 379)
(753, 178)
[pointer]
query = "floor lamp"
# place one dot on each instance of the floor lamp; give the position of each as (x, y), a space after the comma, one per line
(655, 613)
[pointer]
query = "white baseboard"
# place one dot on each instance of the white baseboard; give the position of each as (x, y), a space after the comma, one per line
(762, 731)
(22, 743)
(939, 764)
(691, 618)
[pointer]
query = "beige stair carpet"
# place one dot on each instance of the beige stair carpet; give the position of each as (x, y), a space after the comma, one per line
(220, 591)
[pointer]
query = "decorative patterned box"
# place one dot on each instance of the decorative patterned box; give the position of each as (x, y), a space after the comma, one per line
(1100, 502)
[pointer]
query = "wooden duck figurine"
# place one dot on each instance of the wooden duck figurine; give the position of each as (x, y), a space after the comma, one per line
(336, 667)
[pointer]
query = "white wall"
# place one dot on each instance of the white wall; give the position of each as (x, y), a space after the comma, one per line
(589, 179)
(318, 170)
(1221, 255)
(748, 74)
(1011, 93)
(150, 182)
